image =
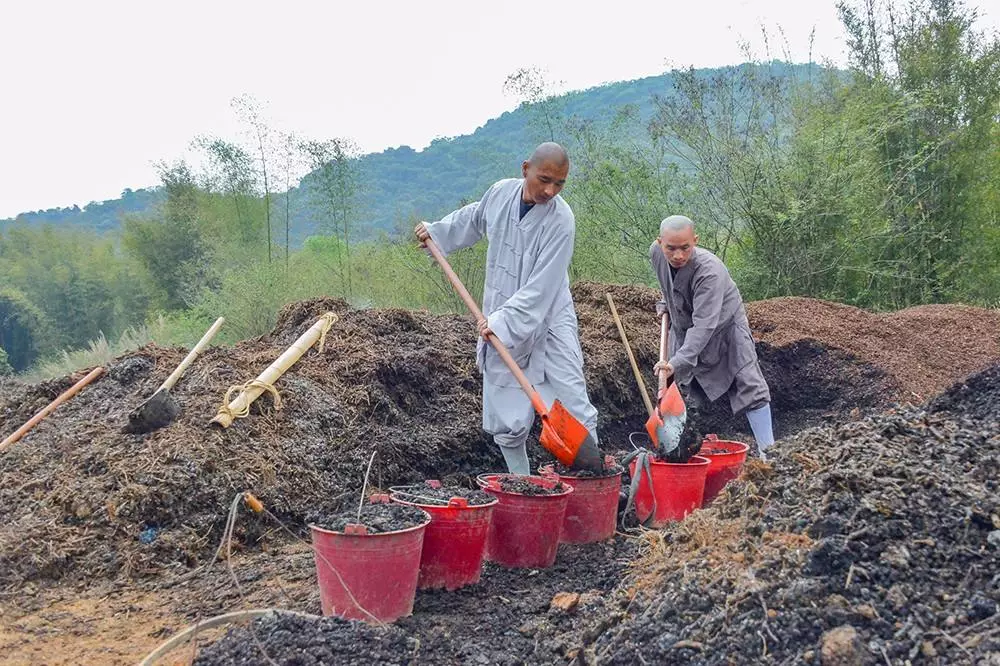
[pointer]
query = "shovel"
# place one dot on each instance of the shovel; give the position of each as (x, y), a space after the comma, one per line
(666, 422)
(562, 435)
(161, 408)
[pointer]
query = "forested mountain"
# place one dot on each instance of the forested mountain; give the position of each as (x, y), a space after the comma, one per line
(400, 184)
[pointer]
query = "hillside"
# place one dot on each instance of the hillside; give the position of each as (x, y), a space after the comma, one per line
(401, 183)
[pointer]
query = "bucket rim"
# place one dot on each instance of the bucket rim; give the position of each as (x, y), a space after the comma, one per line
(493, 502)
(701, 462)
(708, 442)
(481, 480)
(579, 478)
(427, 519)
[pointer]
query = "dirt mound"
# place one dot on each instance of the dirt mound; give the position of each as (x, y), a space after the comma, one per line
(823, 361)
(80, 498)
(885, 528)
(978, 397)
(289, 638)
(924, 348)
(869, 542)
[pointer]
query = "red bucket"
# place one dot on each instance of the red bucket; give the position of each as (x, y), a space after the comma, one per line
(592, 509)
(378, 570)
(727, 458)
(454, 542)
(525, 529)
(677, 487)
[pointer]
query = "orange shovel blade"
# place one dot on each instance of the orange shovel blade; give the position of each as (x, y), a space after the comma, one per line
(569, 440)
(670, 402)
(667, 423)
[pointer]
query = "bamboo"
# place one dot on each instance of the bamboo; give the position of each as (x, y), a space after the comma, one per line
(265, 381)
(197, 349)
(631, 357)
(48, 409)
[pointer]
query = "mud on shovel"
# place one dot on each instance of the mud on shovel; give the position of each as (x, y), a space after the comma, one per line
(161, 408)
(666, 423)
(562, 435)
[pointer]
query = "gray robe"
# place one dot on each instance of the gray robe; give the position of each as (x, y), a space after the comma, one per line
(526, 293)
(710, 338)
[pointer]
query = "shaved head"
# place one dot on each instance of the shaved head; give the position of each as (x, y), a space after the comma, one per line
(545, 173)
(675, 223)
(677, 240)
(549, 153)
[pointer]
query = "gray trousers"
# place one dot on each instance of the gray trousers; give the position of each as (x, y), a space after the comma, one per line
(507, 411)
(748, 391)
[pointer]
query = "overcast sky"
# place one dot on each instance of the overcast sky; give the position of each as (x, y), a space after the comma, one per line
(92, 94)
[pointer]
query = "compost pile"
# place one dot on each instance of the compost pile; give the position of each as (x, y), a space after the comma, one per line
(81, 500)
(870, 542)
(876, 541)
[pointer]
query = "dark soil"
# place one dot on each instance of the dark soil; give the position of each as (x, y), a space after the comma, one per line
(291, 639)
(511, 617)
(378, 518)
(81, 500)
(610, 468)
(423, 494)
(868, 542)
(518, 486)
(878, 529)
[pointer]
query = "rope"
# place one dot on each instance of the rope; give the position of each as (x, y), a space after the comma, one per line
(642, 459)
(328, 319)
(245, 411)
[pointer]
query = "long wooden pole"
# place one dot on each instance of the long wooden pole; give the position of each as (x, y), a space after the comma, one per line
(631, 357)
(48, 409)
(501, 349)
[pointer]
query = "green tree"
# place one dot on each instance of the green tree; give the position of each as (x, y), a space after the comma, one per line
(169, 246)
(944, 76)
(24, 331)
(333, 186)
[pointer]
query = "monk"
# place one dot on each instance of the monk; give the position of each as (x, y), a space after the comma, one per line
(712, 351)
(527, 303)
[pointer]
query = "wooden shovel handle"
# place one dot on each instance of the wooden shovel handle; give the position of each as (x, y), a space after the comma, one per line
(189, 359)
(664, 327)
(470, 302)
(631, 357)
(48, 409)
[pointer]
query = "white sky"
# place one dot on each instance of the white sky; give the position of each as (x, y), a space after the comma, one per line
(93, 93)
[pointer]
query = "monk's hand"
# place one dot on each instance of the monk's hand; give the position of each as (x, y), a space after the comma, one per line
(661, 308)
(420, 231)
(664, 367)
(483, 327)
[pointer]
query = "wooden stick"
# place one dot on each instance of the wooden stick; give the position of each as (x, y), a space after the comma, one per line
(265, 381)
(189, 359)
(631, 358)
(498, 345)
(48, 409)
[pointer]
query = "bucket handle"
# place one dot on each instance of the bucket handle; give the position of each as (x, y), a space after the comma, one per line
(458, 503)
(632, 441)
(354, 529)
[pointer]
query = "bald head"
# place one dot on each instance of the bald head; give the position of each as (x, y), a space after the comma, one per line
(676, 223)
(677, 240)
(549, 153)
(545, 173)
